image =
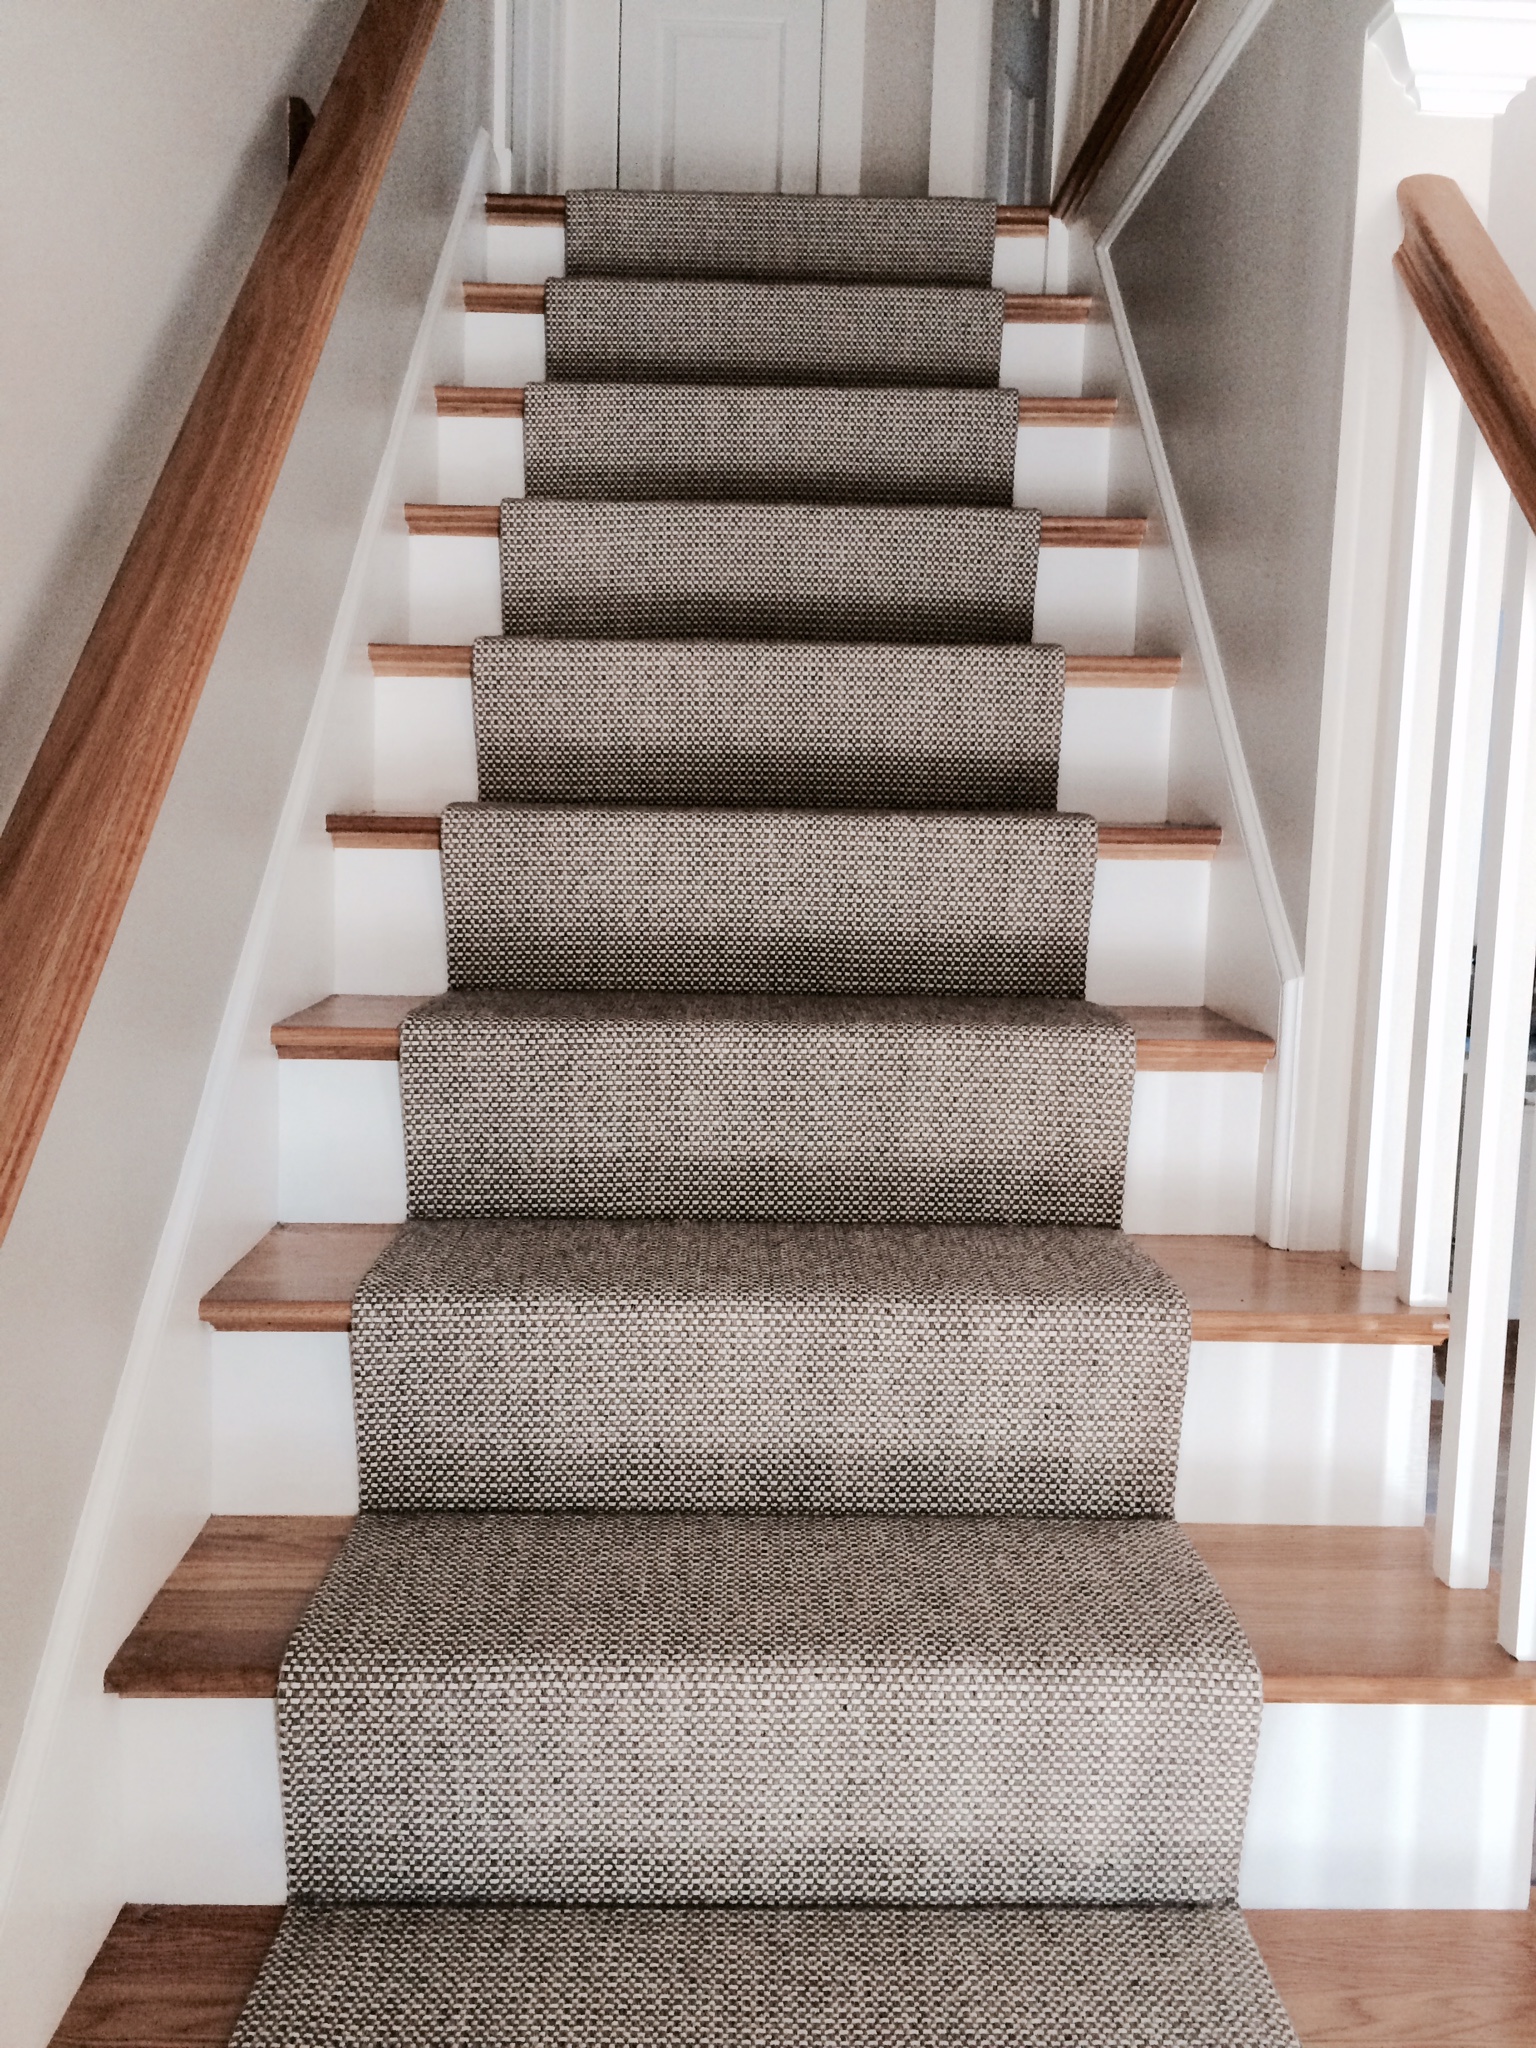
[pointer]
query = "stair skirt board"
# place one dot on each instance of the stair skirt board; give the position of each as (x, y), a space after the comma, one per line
(753, 1066)
(1327, 1433)
(763, 1979)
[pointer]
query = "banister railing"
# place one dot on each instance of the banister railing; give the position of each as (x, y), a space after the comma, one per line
(1469, 646)
(73, 844)
(1122, 46)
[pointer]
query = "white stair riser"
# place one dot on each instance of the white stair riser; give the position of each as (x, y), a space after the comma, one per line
(1064, 470)
(1146, 942)
(1039, 359)
(1288, 1433)
(529, 255)
(1353, 1806)
(1114, 749)
(1193, 1153)
(1085, 600)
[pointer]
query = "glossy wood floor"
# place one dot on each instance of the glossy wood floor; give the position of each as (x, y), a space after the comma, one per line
(1345, 1615)
(302, 1276)
(176, 1977)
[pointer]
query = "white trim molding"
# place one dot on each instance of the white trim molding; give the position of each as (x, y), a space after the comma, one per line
(1463, 58)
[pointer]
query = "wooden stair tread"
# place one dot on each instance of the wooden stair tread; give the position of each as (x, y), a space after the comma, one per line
(483, 522)
(1176, 1041)
(177, 1976)
(505, 402)
(1084, 671)
(1334, 1615)
(418, 831)
(543, 209)
(302, 1276)
(1020, 309)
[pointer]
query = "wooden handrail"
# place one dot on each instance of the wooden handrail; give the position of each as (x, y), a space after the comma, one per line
(1160, 31)
(1478, 318)
(73, 844)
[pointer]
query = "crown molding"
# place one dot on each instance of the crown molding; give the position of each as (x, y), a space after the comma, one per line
(1463, 58)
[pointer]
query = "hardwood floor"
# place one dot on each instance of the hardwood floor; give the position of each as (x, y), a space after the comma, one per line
(176, 1977)
(1344, 1615)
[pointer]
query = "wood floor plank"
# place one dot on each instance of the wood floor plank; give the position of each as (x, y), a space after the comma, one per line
(176, 1977)
(219, 1625)
(302, 1276)
(1243, 1291)
(170, 1977)
(1348, 1616)
(1168, 1040)
(1355, 1616)
(1084, 671)
(1404, 1980)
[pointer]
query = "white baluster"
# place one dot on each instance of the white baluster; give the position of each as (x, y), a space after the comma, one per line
(1495, 1091)
(1517, 1587)
(1413, 657)
(1479, 517)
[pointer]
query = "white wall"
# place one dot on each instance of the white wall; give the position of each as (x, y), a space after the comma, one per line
(157, 1165)
(142, 150)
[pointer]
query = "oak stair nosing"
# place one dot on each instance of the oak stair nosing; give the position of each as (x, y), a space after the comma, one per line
(1336, 1616)
(547, 209)
(1020, 309)
(401, 832)
(1169, 1038)
(1372, 1979)
(506, 401)
(301, 1278)
(483, 522)
(1084, 671)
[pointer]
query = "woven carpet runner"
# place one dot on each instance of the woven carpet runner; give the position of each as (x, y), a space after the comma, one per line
(765, 1624)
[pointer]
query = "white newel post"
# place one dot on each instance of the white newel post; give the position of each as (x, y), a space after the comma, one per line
(1495, 1088)
(1478, 517)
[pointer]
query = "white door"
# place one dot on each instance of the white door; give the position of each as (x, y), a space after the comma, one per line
(720, 95)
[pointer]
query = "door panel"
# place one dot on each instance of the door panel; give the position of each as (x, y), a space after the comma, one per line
(719, 95)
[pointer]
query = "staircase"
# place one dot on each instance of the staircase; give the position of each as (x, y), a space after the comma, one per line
(772, 990)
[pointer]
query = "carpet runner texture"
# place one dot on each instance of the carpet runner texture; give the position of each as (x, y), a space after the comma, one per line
(660, 331)
(764, 722)
(572, 896)
(766, 1624)
(770, 234)
(922, 1109)
(766, 1710)
(791, 572)
(769, 442)
(821, 1368)
(568, 1977)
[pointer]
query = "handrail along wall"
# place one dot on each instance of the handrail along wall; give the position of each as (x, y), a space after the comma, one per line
(1470, 603)
(74, 842)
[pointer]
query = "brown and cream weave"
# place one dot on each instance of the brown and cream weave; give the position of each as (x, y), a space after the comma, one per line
(765, 1627)
(769, 442)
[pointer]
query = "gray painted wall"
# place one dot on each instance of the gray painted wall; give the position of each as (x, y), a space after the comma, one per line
(1235, 272)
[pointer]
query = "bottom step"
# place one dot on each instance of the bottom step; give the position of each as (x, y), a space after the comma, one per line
(1375, 1980)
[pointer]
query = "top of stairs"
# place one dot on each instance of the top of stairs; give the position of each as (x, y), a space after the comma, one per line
(547, 209)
